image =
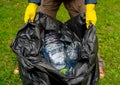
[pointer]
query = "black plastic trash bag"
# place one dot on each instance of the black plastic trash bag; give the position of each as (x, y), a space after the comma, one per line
(35, 70)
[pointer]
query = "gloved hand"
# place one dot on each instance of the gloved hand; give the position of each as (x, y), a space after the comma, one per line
(30, 12)
(90, 15)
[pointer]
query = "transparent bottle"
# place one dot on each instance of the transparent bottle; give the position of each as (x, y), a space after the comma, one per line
(72, 54)
(54, 50)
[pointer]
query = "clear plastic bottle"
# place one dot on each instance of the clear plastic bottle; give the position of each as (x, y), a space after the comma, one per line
(54, 50)
(72, 54)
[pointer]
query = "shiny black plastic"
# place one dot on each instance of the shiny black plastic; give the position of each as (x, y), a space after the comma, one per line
(35, 70)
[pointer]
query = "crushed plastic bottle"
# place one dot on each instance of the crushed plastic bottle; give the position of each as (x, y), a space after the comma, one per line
(54, 51)
(72, 54)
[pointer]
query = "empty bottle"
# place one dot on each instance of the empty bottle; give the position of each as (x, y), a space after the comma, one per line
(54, 50)
(72, 54)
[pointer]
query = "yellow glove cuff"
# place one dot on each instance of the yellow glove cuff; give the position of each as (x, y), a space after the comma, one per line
(90, 7)
(33, 5)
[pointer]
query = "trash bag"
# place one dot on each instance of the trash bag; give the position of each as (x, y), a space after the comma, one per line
(34, 68)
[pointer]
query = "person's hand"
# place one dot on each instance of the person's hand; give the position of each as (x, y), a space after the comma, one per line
(30, 12)
(90, 15)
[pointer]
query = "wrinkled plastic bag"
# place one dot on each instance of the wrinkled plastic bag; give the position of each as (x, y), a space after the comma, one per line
(35, 70)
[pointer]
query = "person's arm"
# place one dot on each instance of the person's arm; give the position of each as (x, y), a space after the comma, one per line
(90, 12)
(90, 1)
(31, 10)
(35, 1)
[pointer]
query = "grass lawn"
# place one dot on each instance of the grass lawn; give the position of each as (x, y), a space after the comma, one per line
(108, 32)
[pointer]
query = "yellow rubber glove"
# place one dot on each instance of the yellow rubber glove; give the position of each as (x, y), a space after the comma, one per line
(30, 12)
(90, 14)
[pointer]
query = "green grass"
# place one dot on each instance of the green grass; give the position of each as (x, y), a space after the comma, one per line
(108, 32)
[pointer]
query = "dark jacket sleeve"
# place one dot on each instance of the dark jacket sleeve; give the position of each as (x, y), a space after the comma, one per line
(90, 1)
(35, 1)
